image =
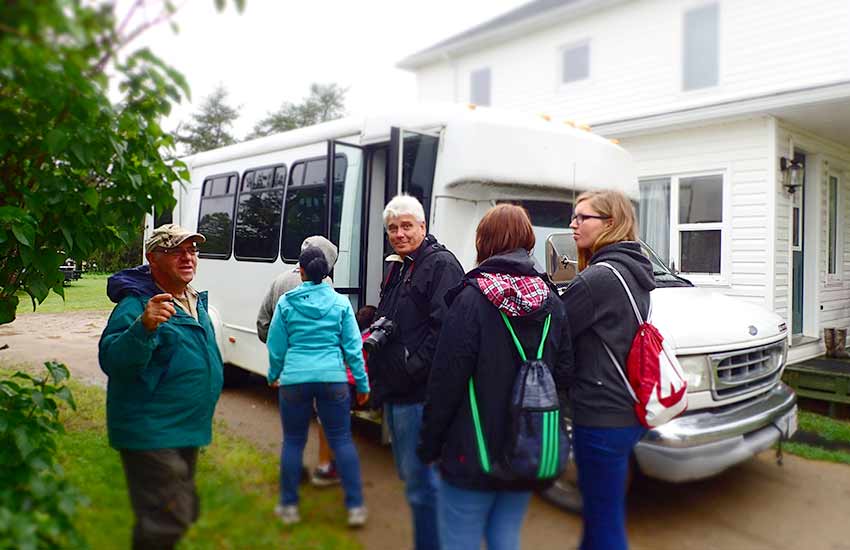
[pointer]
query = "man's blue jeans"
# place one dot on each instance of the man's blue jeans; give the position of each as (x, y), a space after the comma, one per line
(466, 517)
(602, 457)
(333, 403)
(420, 480)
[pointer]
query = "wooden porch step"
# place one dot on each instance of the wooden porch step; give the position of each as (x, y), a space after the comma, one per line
(822, 378)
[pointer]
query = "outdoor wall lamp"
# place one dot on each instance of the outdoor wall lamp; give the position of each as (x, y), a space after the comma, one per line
(792, 173)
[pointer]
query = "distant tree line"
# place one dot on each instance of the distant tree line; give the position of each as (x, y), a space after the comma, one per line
(212, 125)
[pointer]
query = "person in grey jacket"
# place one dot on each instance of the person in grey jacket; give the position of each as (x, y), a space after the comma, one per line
(605, 426)
(325, 473)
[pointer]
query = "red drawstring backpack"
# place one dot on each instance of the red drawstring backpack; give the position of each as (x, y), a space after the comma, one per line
(653, 375)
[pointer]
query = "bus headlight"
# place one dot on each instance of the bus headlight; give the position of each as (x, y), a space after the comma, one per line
(697, 371)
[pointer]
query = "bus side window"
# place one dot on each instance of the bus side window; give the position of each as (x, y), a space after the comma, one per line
(215, 216)
(258, 214)
(306, 203)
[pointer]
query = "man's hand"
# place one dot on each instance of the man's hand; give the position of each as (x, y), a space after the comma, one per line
(159, 310)
(362, 398)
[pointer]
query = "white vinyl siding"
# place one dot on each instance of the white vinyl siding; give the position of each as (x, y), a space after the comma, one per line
(739, 152)
(701, 47)
(636, 59)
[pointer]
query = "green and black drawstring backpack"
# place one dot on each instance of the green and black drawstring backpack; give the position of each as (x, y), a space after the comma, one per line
(537, 446)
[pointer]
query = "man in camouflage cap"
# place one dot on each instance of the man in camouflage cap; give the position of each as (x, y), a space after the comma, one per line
(165, 376)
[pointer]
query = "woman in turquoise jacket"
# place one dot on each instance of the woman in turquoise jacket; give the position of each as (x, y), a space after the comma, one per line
(312, 335)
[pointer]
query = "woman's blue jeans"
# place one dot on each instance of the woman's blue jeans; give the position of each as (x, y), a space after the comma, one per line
(467, 517)
(333, 403)
(602, 457)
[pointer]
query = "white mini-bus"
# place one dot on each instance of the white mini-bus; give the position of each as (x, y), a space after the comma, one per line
(256, 202)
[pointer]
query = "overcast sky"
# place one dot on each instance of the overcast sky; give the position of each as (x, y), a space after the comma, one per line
(273, 50)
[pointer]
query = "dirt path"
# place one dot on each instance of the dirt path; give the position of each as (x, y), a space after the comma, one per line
(759, 506)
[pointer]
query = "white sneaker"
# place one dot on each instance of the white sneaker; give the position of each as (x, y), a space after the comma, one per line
(357, 516)
(288, 514)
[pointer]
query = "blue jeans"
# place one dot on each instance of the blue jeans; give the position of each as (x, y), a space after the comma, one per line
(466, 517)
(333, 403)
(602, 457)
(420, 480)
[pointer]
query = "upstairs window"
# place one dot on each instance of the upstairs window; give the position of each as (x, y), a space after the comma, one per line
(575, 62)
(479, 87)
(701, 47)
(306, 207)
(215, 217)
(258, 214)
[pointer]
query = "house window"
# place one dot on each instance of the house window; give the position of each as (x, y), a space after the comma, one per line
(575, 62)
(479, 87)
(215, 216)
(682, 219)
(701, 47)
(833, 267)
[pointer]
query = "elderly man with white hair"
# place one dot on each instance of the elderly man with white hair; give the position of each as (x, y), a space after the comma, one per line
(412, 297)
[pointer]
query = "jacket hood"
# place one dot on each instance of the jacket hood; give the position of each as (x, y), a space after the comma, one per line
(135, 281)
(328, 248)
(312, 300)
(628, 254)
(510, 281)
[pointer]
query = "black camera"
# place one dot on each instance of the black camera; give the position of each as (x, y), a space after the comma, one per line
(380, 333)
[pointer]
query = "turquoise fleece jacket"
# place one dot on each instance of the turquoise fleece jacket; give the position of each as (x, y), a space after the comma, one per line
(313, 330)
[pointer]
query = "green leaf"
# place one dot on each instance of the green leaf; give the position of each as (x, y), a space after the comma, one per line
(8, 306)
(58, 371)
(24, 233)
(57, 140)
(65, 395)
(91, 197)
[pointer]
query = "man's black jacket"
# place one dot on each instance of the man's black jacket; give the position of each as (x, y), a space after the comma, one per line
(413, 297)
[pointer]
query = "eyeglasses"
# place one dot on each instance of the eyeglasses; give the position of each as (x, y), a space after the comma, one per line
(581, 218)
(179, 251)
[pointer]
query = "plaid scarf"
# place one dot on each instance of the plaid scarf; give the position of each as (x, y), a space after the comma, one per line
(515, 295)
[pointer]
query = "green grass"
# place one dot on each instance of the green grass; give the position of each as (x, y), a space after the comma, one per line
(237, 482)
(829, 429)
(86, 293)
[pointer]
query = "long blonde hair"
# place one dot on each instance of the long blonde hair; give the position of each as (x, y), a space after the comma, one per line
(617, 207)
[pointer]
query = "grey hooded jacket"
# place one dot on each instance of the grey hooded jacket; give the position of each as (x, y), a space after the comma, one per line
(288, 280)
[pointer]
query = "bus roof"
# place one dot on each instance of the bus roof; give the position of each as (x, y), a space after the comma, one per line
(480, 145)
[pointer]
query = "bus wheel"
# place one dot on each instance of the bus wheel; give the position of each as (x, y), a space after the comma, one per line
(234, 376)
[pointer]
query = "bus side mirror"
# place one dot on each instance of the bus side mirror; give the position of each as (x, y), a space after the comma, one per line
(561, 257)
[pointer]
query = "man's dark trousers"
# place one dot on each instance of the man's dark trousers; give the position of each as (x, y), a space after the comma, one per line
(162, 491)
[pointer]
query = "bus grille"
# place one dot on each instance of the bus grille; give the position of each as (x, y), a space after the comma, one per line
(746, 370)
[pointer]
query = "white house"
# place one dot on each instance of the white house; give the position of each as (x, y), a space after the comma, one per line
(736, 111)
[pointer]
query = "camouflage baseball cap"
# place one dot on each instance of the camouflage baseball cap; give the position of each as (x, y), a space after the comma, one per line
(169, 236)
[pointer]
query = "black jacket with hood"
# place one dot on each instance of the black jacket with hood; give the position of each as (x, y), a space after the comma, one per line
(413, 296)
(599, 310)
(474, 342)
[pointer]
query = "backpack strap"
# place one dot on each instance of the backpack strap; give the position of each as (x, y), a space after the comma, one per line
(483, 456)
(516, 340)
(639, 320)
(628, 293)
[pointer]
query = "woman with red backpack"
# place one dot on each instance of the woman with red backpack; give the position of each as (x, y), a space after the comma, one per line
(472, 403)
(605, 425)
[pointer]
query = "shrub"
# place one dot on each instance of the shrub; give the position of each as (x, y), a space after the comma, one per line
(37, 504)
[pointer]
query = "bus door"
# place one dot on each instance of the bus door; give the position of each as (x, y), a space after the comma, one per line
(344, 219)
(411, 166)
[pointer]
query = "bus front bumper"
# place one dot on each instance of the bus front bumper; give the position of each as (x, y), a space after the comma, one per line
(704, 443)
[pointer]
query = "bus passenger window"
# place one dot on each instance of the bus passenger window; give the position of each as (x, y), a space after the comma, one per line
(215, 218)
(306, 203)
(258, 214)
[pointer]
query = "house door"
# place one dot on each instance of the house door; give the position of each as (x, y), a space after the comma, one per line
(798, 209)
